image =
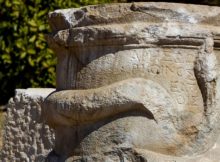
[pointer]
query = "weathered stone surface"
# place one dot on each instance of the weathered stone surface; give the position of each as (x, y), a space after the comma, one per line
(135, 82)
(26, 138)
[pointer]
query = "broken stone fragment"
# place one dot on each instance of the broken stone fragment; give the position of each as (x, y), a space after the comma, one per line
(135, 82)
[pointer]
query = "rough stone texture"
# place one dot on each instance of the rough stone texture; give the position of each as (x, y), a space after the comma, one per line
(26, 139)
(135, 82)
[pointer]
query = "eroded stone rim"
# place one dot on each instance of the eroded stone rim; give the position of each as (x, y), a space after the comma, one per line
(129, 24)
(154, 12)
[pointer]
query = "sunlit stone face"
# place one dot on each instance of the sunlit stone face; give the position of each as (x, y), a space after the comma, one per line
(146, 77)
(172, 68)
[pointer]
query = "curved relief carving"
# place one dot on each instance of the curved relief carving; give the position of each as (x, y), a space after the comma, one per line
(134, 87)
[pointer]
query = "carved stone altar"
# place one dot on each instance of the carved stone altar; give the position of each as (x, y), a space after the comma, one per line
(135, 82)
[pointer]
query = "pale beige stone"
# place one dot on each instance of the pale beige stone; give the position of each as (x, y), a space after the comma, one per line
(135, 82)
(26, 138)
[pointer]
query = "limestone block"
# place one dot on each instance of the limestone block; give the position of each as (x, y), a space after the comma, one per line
(135, 82)
(26, 138)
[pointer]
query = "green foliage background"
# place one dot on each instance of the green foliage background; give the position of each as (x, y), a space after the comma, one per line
(25, 59)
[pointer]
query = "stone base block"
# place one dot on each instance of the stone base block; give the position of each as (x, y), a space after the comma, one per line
(26, 138)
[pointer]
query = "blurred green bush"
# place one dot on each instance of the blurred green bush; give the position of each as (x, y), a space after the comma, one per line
(25, 59)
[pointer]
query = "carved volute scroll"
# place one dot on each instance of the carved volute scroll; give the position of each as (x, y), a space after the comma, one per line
(135, 81)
